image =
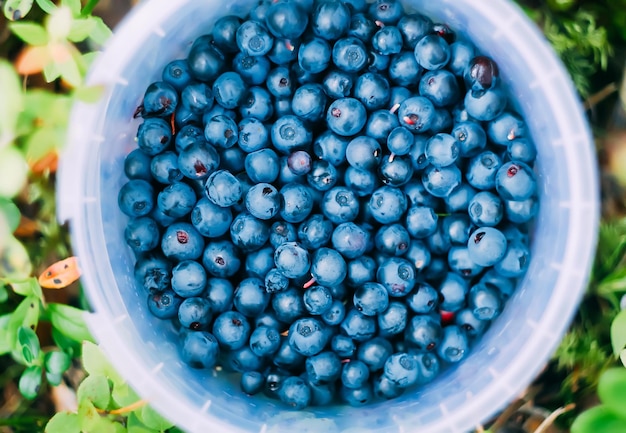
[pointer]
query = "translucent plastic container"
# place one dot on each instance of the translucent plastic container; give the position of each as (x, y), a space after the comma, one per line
(506, 360)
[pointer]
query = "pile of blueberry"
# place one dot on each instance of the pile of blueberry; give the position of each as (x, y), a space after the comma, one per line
(329, 197)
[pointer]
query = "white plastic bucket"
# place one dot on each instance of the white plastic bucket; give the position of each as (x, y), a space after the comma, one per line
(516, 347)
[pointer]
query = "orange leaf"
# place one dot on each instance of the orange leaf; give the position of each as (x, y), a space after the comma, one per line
(60, 52)
(48, 162)
(60, 274)
(32, 60)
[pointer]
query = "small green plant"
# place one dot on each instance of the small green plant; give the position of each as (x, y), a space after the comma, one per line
(610, 415)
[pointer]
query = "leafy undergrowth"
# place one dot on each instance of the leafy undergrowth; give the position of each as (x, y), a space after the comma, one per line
(52, 375)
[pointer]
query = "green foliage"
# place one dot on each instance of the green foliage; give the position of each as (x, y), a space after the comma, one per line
(610, 416)
(106, 403)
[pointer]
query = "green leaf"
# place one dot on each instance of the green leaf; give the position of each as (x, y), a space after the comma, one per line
(51, 72)
(82, 29)
(17, 9)
(57, 362)
(26, 314)
(14, 171)
(4, 294)
(67, 345)
(89, 94)
(134, 425)
(29, 343)
(612, 390)
(11, 102)
(11, 212)
(106, 425)
(618, 333)
(43, 141)
(101, 32)
(622, 357)
(123, 395)
(70, 72)
(599, 419)
(30, 382)
(95, 388)
(73, 5)
(153, 419)
(5, 339)
(69, 321)
(54, 379)
(30, 32)
(63, 422)
(95, 362)
(47, 6)
(88, 416)
(28, 287)
(14, 259)
(58, 23)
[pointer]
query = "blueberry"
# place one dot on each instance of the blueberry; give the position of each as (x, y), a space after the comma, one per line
(286, 20)
(416, 113)
(385, 388)
(428, 365)
(515, 181)
(160, 99)
(242, 360)
(309, 102)
(487, 246)
(346, 116)
(282, 232)
(321, 395)
(189, 279)
(253, 38)
(297, 202)
(223, 189)
(387, 41)
(323, 368)
(292, 260)
(401, 369)
(343, 346)
(361, 182)
(418, 255)
(137, 165)
(485, 106)
(200, 349)
(195, 313)
(142, 234)
(307, 336)
(432, 52)
(221, 131)
(374, 353)
(418, 196)
(328, 267)
(350, 240)
(486, 209)
(252, 382)
(330, 20)
(506, 128)
(314, 55)
(380, 124)
(209, 219)
(423, 299)
(198, 161)
(421, 221)
(279, 82)
(257, 104)
(392, 240)
(453, 289)
(363, 153)
(460, 262)
(440, 182)
(338, 84)
(299, 162)
(288, 134)
(288, 305)
(339, 205)
(461, 54)
(258, 263)
(471, 138)
(262, 166)
(220, 259)
(317, 300)
(357, 396)
(504, 285)
(520, 212)
(439, 242)
(522, 149)
(354, 374)
(224, 33)
(164, 305)
(275, 281)
(371, 299)
(263, 201)
(386, 11)
(153, 271)
(284, 51)
(205, 60)
(424, 332)
(335, 314)
(515, 262)
(481, 74)
(442, 121)
(295, 393)
(248, 233)
(181, 241)
(388, 204)
(395, 170)
(349, 55)
(393, 320)
(330, 147)
(154, 135)
(164, 168)
(231, 329)
(459, 198)
(264, 341)
(454, 345)
(219, 293)
(372, 90)
(358, 326)
(177, 74)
